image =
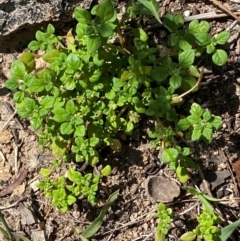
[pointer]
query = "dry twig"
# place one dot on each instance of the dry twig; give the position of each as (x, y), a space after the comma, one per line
(219, 4)
(11, 187)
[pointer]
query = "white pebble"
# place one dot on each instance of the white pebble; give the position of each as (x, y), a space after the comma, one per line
(187, 13)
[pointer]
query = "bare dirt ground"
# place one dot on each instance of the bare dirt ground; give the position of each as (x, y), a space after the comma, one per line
(132, 216)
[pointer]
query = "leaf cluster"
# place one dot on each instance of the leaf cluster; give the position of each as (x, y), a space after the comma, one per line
(65, 190)
(78, 91)
(196, 38)
(164, 215)
(200, 124)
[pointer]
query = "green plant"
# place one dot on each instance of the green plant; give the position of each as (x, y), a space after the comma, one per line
(164, 215)
(80, 90)
(206, 229)
(200, 124)
(65, 190)
(197, 35)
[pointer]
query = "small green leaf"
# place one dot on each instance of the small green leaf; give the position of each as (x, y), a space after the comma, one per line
(73, 61)
(210, 48)
(50, 29)
(41, 36)
(94, 141)
(184, 44)
(95, 76)
(222, 37)
(26, 108)
(11, 84)
(18, 96)
(61, 115)
(152, 6)
(70, 107)
(80, 131)
(106, 30)
(71, 199)
(184, 124)
(216, 122)
(66, 128)
(106, 171)
(129, 128)
(196, 134)
(182, 174)
(189, 236)
(116, 145)
(45, 172)
(93, 43)
(82, 15)
(196, 110)
(207, 133)
(175, 81)
(70, 83)
(160, 74)
(137, 32)
(58, 148)
(169, 155)
(202, 39)
(47, 102)
(193, 70)
(28, 59)
(189, 82)
(37, 85)
(186, 58)
(36, 123)
(51, 55)
(34, 45)
(204, 26)
(18, 69)
(105, 10)
(220, 57)
(207, 115)
(173, 22)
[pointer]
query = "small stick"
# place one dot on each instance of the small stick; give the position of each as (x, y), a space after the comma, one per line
(216, 2)
(209, 15)
(12, 205)
(3, 157)
(6, 124)
(11, 187)
(11, 111)
(16, 157)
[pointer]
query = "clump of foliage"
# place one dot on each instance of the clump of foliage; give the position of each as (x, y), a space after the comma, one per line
(79, 90)
(164, 215)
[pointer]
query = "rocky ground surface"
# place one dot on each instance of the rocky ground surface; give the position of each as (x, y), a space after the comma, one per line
(132, 216)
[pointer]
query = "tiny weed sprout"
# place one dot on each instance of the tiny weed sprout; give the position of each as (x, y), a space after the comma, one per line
(164, 216)
(79, 90)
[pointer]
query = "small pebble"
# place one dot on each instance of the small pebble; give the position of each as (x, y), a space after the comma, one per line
(187, 13)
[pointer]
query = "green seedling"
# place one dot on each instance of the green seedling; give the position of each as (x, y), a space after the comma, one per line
(164, 215)
(200, 124)
(207, 228)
